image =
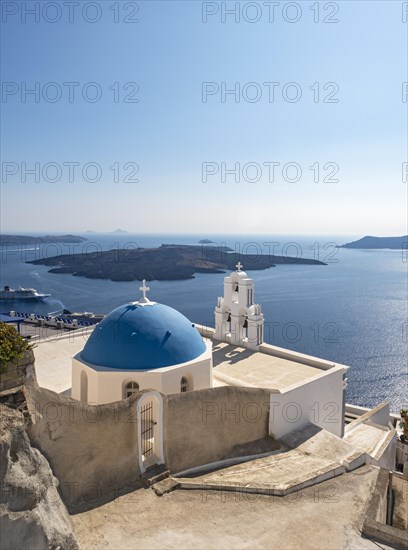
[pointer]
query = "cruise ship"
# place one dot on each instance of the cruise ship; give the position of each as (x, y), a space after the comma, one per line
(21, 294)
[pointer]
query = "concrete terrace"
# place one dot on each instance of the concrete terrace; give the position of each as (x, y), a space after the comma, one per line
(53, 359)
(327, 516)
(253, 368)
(274, 368)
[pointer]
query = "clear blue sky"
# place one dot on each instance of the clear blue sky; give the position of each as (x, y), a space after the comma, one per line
(170, 132)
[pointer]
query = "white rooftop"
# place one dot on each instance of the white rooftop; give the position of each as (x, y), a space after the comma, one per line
(257, 369)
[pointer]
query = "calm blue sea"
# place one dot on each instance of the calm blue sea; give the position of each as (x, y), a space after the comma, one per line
(353, 311)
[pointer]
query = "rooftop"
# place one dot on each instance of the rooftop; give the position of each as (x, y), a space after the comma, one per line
(272, 368)
(252, 368)
(53, 359)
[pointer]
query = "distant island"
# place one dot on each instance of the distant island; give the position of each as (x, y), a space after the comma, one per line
(120, 231)
(165, 263)
(26, 239)
(206, 241)
(368, 242)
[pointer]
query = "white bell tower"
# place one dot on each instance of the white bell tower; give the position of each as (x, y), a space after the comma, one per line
(238, 320)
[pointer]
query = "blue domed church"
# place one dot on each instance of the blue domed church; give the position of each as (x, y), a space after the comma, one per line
(141, 345)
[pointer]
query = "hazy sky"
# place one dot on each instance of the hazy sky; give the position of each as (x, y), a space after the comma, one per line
(308, 93)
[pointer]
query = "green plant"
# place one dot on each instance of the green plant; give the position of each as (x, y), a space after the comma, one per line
(12, 346)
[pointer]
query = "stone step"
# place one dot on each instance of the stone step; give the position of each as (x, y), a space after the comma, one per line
(155, 474)
(165, 486)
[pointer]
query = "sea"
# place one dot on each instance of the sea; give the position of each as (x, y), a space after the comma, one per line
(353, 311)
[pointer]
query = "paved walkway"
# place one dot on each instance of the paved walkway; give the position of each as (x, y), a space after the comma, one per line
(325, 517)
(306, 457)
(53, 359)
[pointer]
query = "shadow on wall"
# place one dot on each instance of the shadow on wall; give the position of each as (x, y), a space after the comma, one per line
(215, 424)
(95, 453)
(92, 449)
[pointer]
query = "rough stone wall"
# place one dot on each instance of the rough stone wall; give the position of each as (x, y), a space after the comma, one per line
(215, 424)
(16, 372)
(92, 449)
(32, 514)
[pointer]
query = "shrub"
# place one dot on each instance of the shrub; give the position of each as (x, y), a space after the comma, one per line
(12, 346)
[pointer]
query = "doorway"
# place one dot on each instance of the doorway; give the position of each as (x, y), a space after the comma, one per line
(150, 430)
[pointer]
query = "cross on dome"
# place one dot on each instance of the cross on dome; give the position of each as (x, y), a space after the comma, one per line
(239, 266)
(144, 288)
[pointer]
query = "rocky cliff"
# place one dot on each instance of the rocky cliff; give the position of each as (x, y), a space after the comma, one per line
(32, 514)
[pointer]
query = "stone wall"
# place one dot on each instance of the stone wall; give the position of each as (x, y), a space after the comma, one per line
(16, 372)
(375, 517)
(215, 424)
(93, 450)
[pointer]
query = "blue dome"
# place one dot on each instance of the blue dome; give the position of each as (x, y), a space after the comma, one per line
(135, 336)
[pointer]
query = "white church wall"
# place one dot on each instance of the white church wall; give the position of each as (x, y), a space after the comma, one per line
(111, 385)
(198, 373)
(91, 390)
(106, 385)
(319, 402)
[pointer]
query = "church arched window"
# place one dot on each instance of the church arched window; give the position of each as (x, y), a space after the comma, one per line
(183, 384)
(84, 387)
(130, 388)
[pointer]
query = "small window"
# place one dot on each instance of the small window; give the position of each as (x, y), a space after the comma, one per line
(130, 389)
(183, 384)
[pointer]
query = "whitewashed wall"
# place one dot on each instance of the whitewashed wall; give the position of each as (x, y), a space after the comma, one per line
(106, 385)
(319, 401)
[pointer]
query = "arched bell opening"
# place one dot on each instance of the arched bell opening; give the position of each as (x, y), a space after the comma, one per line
(226, 321)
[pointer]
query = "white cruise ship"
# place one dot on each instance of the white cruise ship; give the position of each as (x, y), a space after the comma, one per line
(21, 294)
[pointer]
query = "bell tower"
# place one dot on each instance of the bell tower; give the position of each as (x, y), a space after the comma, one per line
(238, 320)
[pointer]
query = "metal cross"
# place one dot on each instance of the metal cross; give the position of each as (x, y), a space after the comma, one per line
(144, 289)
(239, 266)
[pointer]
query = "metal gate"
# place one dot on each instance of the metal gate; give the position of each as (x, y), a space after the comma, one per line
(147, 429)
